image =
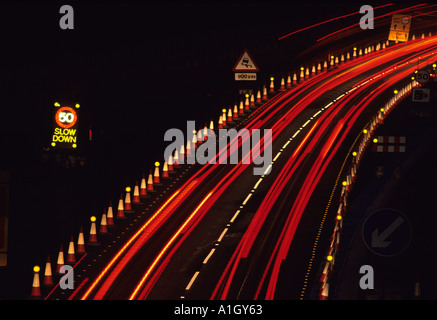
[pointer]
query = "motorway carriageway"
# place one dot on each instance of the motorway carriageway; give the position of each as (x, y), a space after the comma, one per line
(193, 217)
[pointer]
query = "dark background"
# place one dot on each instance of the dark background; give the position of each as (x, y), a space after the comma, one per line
(137, 70)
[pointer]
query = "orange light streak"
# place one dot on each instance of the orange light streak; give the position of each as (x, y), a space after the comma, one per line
(169, 243)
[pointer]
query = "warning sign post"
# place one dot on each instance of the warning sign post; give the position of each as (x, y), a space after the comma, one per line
(245, 69)
(400, 28)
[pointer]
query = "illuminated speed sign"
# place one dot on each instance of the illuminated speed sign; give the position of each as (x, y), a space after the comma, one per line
(66, 117)
(422, 76)
(65, 127)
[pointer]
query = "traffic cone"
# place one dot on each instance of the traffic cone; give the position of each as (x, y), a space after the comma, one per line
(264, 96)
(188, 148)
(224, 124)
(220, 123)
(205, 133)
(247, 104)
(71, 258)
(136, 198)
(80, 242)
(176, 159)
(325, 65)
(194, 140)
(241, 108)
(229, 119)
(143, 187)
(60, 261)
(36, 290)
(313, 70)
(156, 175)
(110, 216)
(103, 225)
(282, 86)
(307, 73)
(235, 112)
(288, 82)
(181, 161)
(272, 85)
(325, 272)
(48, 277)
(258, 97)
(302, 74)
(325, 291)
(348, 56)
(120, 209)
(199, 137)
(294, 78)
(150, 187)
(128, 200)
(165, 170)
(252, 101)
(92, 240)
(171, 162)
(319, 67)
(380, 118)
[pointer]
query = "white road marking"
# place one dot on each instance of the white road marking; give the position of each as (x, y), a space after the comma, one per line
(188, 287)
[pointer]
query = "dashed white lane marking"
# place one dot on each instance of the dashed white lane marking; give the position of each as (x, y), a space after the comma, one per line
(208, 256)
(193, 278)
(205, 261)
(222, 235)
(258, 182)
(305, 124)
(277, 156)
(315, 115)
(235, 216)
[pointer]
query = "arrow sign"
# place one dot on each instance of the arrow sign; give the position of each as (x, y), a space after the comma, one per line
(386, 232)
(379, 240)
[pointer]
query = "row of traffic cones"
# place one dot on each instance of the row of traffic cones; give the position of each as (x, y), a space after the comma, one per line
(347, 184)
(306, 72)
(107, 221)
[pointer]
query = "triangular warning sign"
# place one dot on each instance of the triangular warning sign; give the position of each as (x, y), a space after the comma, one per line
(245, 63)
